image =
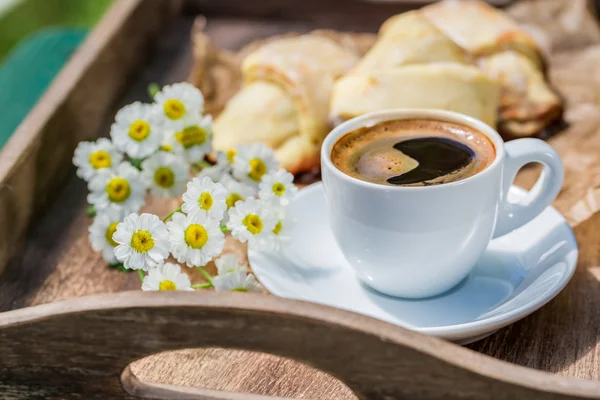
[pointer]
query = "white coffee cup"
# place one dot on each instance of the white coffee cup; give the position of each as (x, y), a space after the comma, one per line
(421, 241)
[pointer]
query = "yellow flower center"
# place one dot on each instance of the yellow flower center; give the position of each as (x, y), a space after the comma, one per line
(167, 285)
(278, 228)
(231, 155)
(142, 241)
(232, 199)
(205, 201)
(174, 109)
(191, 136)
(164, 177)
(253, 223)
(278, 188)
(100, 159)
(118, 190)
(166, 147)
(257, 169)
(139, 130)
(195, 236)
(112, 228)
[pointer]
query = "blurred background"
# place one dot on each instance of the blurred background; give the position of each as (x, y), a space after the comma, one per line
(37, 37)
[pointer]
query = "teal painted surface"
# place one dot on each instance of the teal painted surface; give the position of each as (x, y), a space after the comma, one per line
(26, 17)
(27, 71)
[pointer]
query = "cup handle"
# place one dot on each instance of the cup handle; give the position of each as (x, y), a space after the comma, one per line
(518, 153)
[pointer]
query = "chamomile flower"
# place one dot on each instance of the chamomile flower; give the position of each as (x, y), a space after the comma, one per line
(223, 167)
(167, 277)
(90, 157)
(278, 186)
(251, 221)
(119, 189)
(281, 232)
(236, 282)
(236, 191)
(216, 173)
(204, 195)
(166, 146)
(101, 232)
(228, 263)
(226, 157)
(143, 242)
(195, 239)
(165, 174)
(191, 138)
(136, 130)
(253, 161)
(178, 101)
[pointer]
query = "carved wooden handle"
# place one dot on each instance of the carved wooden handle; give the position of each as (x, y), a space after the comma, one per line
(81, 348)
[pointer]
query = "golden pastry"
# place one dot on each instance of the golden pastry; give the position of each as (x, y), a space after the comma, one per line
(459, 55)
(506, 53)
(414, 65)
(527, 104)
(445, 85)
(284, 101)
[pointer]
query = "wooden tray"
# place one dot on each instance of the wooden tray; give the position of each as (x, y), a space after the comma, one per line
(81, 346)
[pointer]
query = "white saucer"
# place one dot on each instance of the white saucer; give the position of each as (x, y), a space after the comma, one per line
(519, 273)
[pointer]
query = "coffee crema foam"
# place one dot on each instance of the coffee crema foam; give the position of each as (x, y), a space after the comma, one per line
(413, 152)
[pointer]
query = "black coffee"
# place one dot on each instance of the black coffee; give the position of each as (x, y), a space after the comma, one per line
(413, 153)
(437, 157)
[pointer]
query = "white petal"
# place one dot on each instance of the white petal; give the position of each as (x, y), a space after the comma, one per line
(251, 284)
(122, 252)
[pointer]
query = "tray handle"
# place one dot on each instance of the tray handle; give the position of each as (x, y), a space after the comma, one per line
(82, 347)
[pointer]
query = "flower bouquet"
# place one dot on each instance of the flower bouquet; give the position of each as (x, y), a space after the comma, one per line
(162, 148)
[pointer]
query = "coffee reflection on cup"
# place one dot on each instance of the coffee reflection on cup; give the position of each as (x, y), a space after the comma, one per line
(415, 196)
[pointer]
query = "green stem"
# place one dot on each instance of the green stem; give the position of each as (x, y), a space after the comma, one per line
(137, 162)
(165, 219)
(153, 88)
(196, 167)
(141, 275)
(120, 267)
(205, 274)
(202, 285)
(90, 210)
(204, 164)
(225, 229)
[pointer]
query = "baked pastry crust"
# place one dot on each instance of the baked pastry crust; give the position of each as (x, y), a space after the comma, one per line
(449, 55)
(445, 85)
(506, 53)
(414, 65)
(284, 100)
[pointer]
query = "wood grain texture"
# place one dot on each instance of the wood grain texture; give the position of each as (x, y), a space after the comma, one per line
(37, 158)
(353, 15)
(563, 337)
(80, 348)
(57, 263)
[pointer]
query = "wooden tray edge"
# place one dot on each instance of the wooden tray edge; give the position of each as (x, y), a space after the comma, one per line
(388, 360)
(37, 158)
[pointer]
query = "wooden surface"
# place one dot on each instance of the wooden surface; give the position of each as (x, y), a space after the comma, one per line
(57, 262)
(353, 15)
(37, 158)
(81, 348)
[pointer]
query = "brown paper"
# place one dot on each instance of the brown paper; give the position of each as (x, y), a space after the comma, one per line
(569, 35)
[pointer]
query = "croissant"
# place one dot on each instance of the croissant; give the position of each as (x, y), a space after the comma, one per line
(284, 101)
(506, 53)
(459, 55)
(414, 65)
